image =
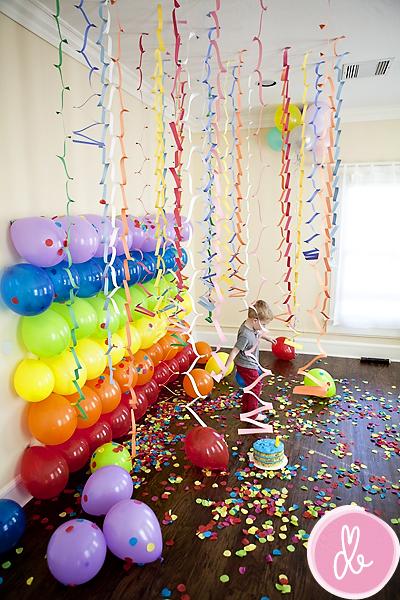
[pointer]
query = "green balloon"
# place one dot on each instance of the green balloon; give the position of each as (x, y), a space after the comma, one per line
(120, 300)
(98, 304)
(84, 313)
(274, 139)
(323, 378)
(45, 335)
(138, 296)
(111, 454)
(154, 291)
(171, 287)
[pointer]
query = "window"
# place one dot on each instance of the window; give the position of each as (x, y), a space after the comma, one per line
(367, 282)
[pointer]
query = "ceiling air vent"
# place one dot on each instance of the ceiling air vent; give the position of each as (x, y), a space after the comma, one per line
(367, 68)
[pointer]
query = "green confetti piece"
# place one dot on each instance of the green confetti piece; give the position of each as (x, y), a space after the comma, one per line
(6, 565)
(224, 578)
(291, 548)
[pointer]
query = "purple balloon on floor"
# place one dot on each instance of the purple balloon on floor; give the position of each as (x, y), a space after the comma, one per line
(132, 531)
(76, 552)
(104, 488)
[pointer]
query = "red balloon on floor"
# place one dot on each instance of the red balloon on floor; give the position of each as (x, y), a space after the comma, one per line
(119, 421)
(283, 351)
(100, 433)
(76, 451)
(207, 449)
(44, 472)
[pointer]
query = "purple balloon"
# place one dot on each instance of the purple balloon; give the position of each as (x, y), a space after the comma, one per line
(104, 229)
(150, 241)
(129, 238)
(104, 488)
(186, 230)
(318, 118)
(76, 551)
(138, 233)
(132, 531)
(83, 237)
(37, 240)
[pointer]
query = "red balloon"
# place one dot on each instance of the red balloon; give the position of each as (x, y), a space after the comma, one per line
(119, 421)
(184, 361)
(100, 433)
(191, 354)
(76, 451)
(142, 405)
(152, 391)
(44, 472)
(161, 373)
(282, 350)
(207, 449)
(173, 367)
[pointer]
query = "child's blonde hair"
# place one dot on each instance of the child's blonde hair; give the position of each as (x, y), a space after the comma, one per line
(260, 310)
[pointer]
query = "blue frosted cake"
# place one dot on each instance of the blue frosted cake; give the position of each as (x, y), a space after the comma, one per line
(267, 452)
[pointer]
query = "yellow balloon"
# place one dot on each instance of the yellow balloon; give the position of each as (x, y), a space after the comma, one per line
(118, 349)
(63, 367)
(161, 325)
(294, 117)
(91, 353)
(147, 330)
(33, 380)
(186, 304)
(135, 338)
(212, 364)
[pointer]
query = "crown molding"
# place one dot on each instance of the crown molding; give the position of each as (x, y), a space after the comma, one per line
(39, 19)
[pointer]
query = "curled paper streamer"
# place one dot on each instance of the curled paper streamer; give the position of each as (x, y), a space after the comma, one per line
(89, 24)
(139, 67)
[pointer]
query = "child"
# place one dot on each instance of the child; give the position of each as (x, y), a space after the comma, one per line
(245, 353)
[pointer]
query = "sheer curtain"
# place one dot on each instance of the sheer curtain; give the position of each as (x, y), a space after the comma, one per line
(367, 282)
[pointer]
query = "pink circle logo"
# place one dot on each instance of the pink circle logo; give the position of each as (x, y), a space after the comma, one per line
(352, 553)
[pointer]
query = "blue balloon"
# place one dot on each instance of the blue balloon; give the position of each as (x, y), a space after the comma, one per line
(26, 289)
(150, 266)
(274, 139)
(61, 281)
(184, 257)
(12, 524)
(90, 276)
(135, 270)
(169, 259)
(118, 265)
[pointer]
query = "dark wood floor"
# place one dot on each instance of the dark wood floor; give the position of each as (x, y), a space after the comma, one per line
(340, 451)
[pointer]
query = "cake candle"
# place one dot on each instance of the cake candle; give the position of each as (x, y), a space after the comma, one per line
(277, 441)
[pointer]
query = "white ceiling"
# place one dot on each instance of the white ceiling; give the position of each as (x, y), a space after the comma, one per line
(371, 29)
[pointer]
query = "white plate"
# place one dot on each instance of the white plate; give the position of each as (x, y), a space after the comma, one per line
(276, 467)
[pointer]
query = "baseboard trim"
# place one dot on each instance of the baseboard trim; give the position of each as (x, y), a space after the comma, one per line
(15, 490)
(341, 348)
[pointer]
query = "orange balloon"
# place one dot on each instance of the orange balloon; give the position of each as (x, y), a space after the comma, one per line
(109, 393)
(53, 420)
(203, 381)
(144, 367)
(91, 405)
(169, 350)
(205, 352)
(121, 374)
(156, 353)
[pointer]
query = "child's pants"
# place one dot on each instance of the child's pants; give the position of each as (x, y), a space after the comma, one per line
(250, 402)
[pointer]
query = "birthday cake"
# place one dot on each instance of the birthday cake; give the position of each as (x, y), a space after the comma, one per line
(268, 452)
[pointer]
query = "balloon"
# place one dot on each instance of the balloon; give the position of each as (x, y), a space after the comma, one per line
(135, 271)
(121, 374)
(240, 381)
(207, 449)
(150, 242)
(33, 380)
(26, 290)
(109, 393)
(149, 266)
(190, 352)
(98, 303)
(44, 472)
(100, 433)
(203, 381)
(76, 552)
(320, 151)
(119, 246)
(205, 352)
(274, 139)
(133, 532)
(323, 378)
(142, 404)
(156, 353)
(186, 305)
(183, 361)
(154, 291)
(114, 271)
(139, 298)
(76, 451)
(135, 338)
(138, 234)
(283, 351)
(62, 284)
(12, 524)
(161, 324)
(120, 299)
(90, 278)
(82, 238)
(111, 454)
(119, 420)
(146, 330)
(118, 349)
(144, 367)
(104, 488)
(173, 368)
(169, 345)
(294, 117)
(213, 365)
(90, 404)
(151, 390)
(186, 230)
(52, 421)
(46, 335)
(161, 373)
(92, 355)
(63, 367)
(84, 314)
(318, 117)
(104, 229)
(37, 240)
